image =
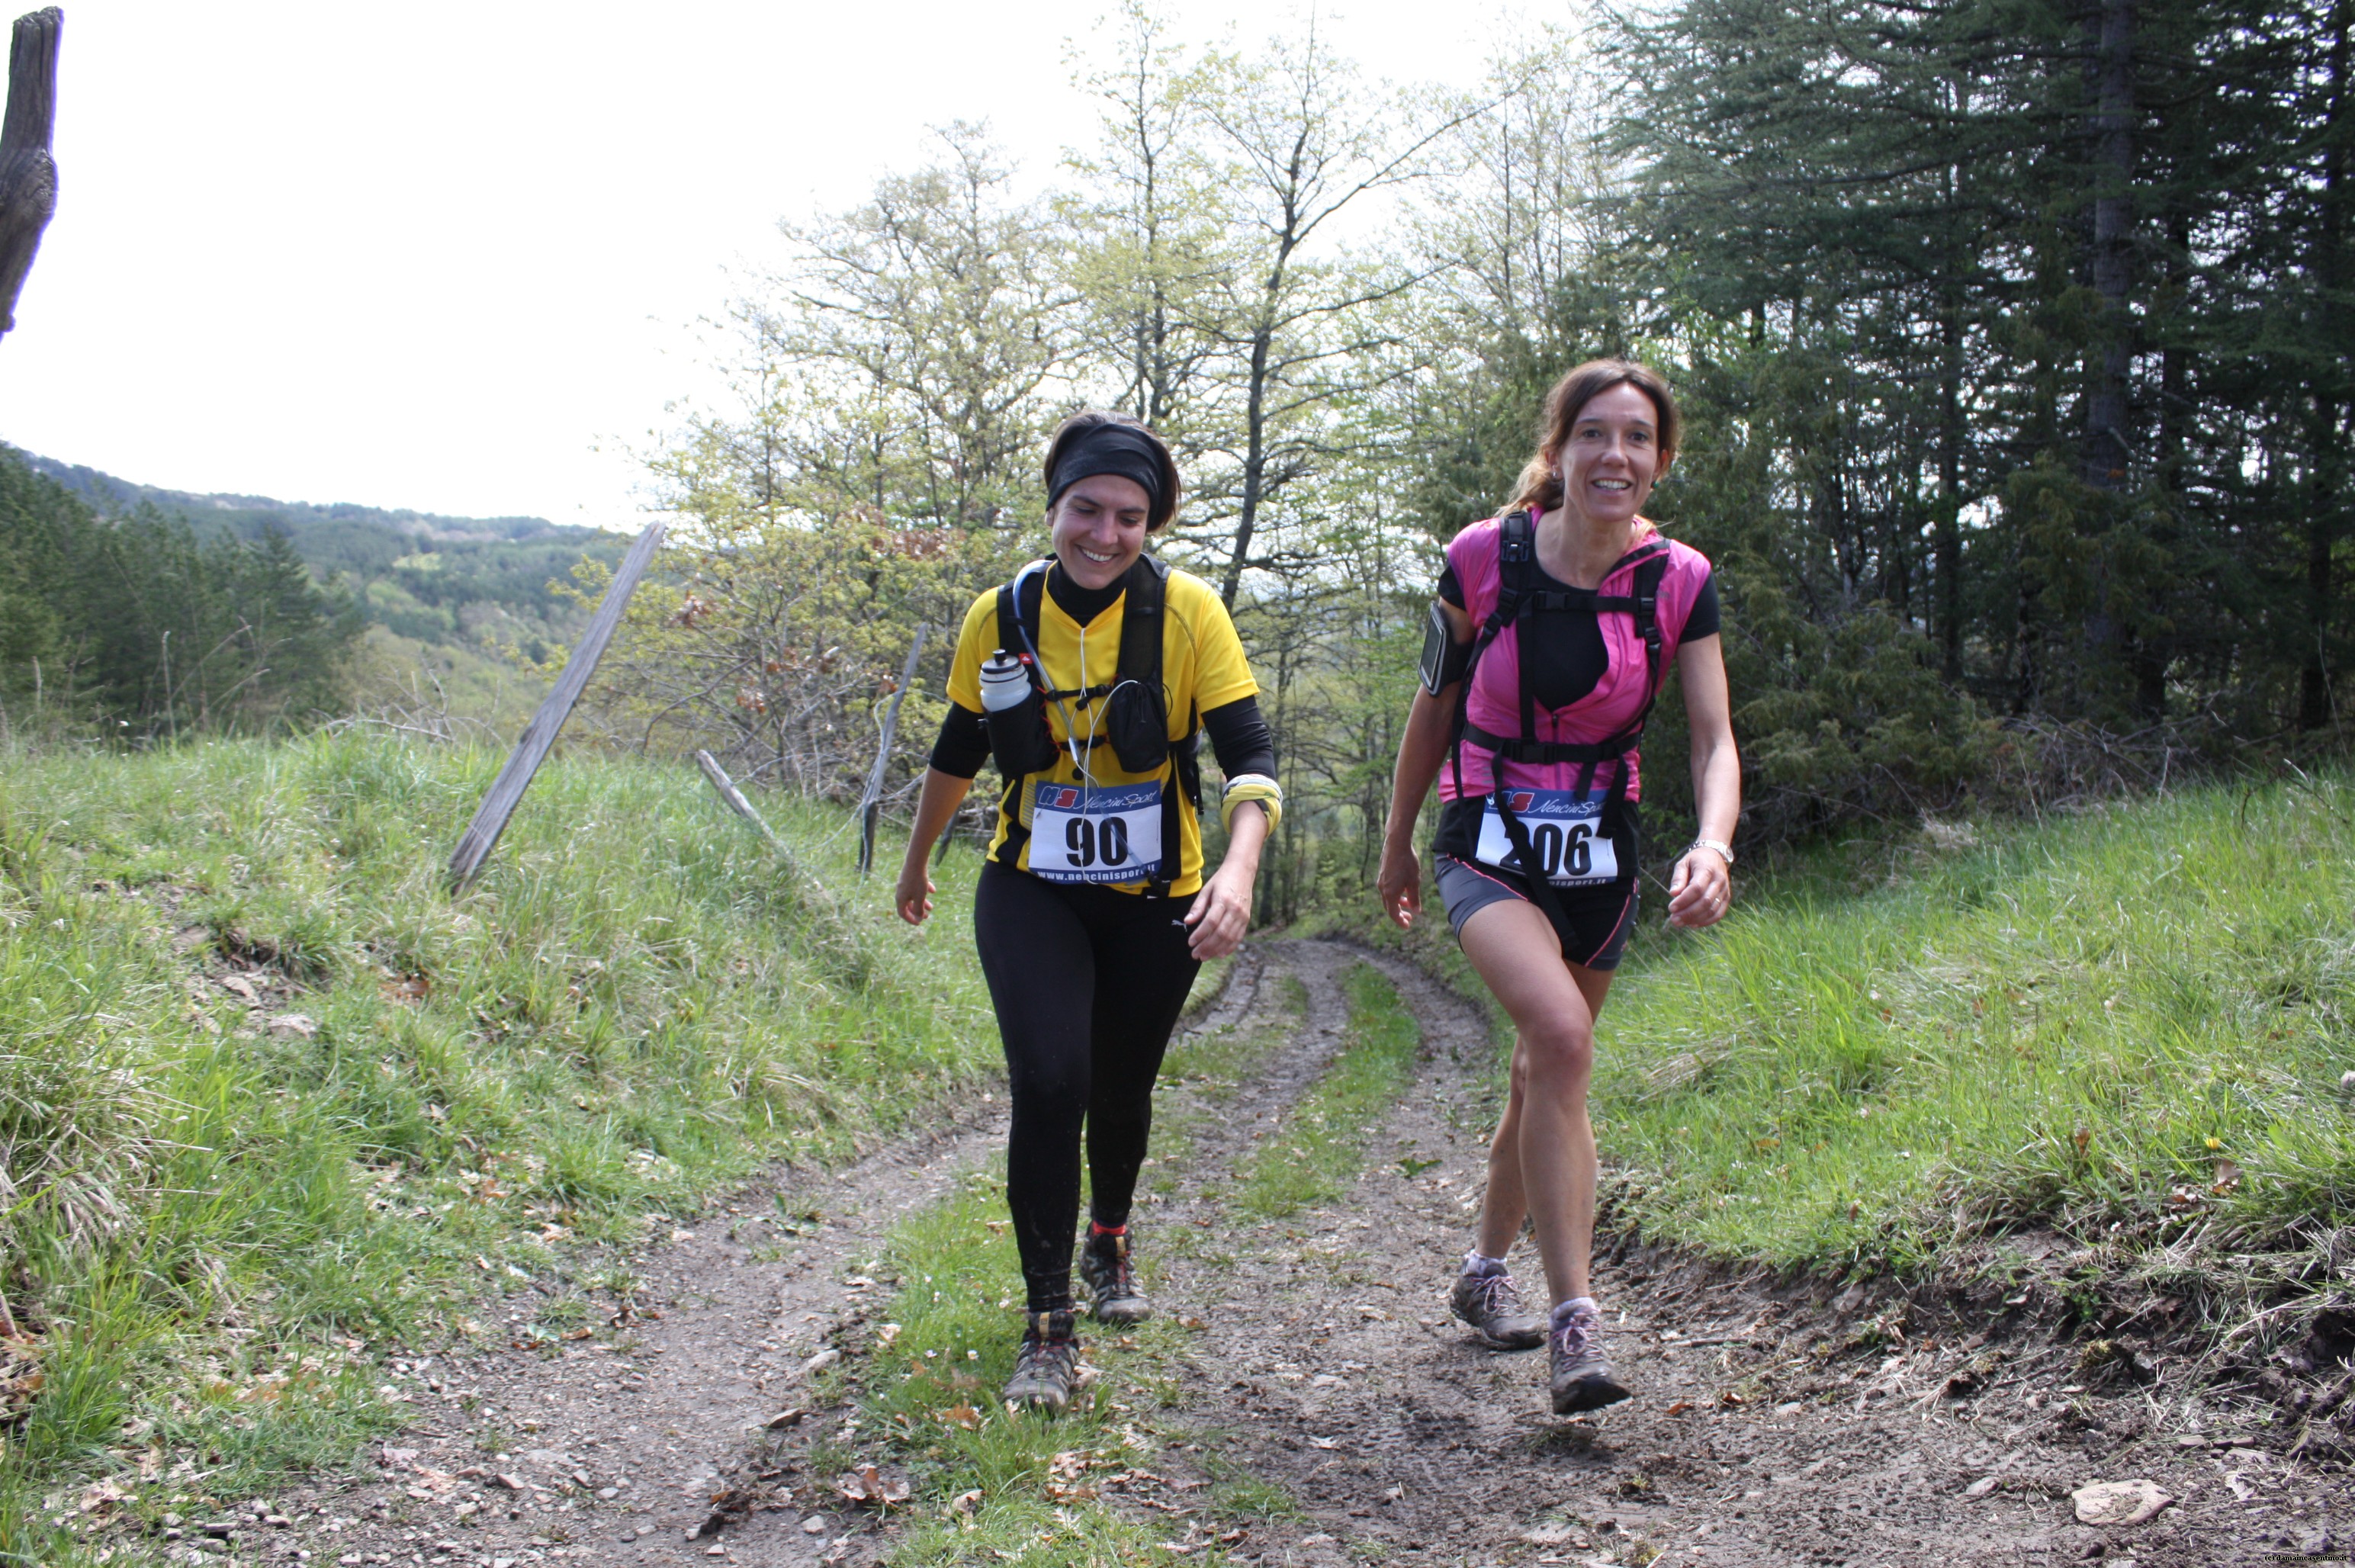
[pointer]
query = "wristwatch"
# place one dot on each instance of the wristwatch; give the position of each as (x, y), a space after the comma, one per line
(1724, 851)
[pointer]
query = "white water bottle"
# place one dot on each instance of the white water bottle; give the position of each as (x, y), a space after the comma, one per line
(1004, 682)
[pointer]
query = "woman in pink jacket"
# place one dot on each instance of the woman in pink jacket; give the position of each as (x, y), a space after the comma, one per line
(1554, 627)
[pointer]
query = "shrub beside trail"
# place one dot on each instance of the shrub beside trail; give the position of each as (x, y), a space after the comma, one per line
(273, 1102)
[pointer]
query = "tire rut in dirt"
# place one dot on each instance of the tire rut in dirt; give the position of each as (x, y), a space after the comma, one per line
(656, 1415)
(1331, 1366)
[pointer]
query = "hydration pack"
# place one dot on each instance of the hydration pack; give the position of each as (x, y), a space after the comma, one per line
(1521, 594)
(1134, 718)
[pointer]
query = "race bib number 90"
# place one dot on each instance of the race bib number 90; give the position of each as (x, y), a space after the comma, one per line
(1563, 831)
(1095, 835)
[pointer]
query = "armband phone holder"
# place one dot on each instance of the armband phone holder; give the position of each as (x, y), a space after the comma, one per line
(1444, 659)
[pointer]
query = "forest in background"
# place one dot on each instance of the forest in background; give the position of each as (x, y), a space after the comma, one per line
(2012, 338)
(441, 619)
(143, 629)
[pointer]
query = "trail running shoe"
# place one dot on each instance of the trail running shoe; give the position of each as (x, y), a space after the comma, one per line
(1485, 1300)
(1104, 1264)
(1048, 1369)
(1581, 1373)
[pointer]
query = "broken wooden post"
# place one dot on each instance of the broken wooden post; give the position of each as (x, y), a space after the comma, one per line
(28, 175)
(870, 805)
(733, 796)
(835, 939)
(814, 890)
(506, 790)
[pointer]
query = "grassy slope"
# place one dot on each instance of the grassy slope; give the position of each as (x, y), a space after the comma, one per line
(216, 1228)
(2129, 1028)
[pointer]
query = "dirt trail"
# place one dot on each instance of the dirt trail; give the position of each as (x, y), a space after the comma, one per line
(1330, 1367)
(620, 1448)
(1331, 1364)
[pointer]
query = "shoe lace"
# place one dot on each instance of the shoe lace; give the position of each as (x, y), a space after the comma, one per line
(1574, 1335)
(1497, 1296)
(1040, 1354)
(1111, 1267)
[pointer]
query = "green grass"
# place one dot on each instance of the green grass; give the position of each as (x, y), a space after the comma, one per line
(2128, 1027)
(215, 1232)
(1316, 1153)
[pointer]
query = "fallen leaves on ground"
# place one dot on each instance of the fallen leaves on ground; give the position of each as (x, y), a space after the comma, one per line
(869, 1484)
(20, 1374)
(406, 988)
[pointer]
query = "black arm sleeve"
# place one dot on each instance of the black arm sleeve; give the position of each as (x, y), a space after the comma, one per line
(1703, 620)
(1241, 738)
(1449, 589)
(964, 743)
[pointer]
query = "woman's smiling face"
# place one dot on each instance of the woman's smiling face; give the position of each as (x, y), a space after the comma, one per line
(1613, 456)
(1098, 529)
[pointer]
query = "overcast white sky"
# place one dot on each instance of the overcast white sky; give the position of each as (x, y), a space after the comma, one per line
(452, 257)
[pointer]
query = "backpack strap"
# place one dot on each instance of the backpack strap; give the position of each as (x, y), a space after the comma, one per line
(1142, 639)
(1143, 615)
(1648, 574)
(1018, 611)
(1017, 634)
(1144, 600)
(1515, 559)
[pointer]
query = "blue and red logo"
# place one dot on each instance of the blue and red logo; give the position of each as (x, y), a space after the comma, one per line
(1064, 800)
(1522, 800)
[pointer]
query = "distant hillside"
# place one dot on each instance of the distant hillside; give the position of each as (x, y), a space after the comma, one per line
(112, 495)
(471, 582)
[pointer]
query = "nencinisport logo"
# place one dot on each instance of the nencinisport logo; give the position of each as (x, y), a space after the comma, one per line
(1064, 800)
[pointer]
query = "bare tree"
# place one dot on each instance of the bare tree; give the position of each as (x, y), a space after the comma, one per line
(1306, 331)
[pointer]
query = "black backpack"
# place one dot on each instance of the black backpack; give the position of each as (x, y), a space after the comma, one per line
(1519, 594)
(1137, 702)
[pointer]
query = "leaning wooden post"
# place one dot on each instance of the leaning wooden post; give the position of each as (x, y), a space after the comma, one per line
(834, 933)
(732, 796)
(812, 889)
(28, 175)
(870, 806)
(508, 789)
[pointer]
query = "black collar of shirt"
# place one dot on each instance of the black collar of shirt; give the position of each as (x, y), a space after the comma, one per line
(1082, 605)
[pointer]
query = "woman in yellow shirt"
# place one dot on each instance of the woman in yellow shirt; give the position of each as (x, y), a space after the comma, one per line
(1093, 913)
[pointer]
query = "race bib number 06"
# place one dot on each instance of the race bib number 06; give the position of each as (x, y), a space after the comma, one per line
(1096, 834)
(1563, 830)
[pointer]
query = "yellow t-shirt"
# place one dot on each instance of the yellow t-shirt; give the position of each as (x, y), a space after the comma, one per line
(1202, 668)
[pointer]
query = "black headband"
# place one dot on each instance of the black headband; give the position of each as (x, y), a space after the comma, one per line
(1116, 449)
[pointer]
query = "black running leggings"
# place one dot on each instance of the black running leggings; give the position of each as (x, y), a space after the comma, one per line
(1087, 983)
